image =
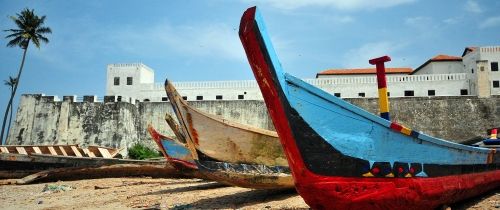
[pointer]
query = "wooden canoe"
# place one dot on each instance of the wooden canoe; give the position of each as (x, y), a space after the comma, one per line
(236, 174)
(175, 152)
(343, 157)
(224, 140)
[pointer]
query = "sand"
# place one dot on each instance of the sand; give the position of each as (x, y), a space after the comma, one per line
(148, 193)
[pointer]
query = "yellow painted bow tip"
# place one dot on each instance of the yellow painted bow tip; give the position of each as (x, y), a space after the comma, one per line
(368, 174)
(389, 175)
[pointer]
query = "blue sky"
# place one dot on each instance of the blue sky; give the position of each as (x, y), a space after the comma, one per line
(198, 40)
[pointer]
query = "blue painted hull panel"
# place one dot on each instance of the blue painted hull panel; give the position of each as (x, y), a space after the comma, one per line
(176, 151)
(357, 133)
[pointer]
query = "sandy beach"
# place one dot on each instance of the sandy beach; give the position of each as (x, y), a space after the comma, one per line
(161, 193)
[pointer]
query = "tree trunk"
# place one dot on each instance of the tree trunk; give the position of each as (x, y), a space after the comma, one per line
(9, 105)
(10, 122)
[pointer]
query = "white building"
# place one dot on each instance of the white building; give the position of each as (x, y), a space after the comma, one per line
(475, 73)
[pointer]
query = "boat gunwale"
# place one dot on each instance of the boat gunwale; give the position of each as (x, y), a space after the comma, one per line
(221, 119)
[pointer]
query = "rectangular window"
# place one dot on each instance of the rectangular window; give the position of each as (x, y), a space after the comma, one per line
(388, 93)
(117, 81)
(431, 92)
(185, 98)
(361, 94)
(409, 93)
(464, 92)
(241, 97)
(496, 84)
(494, 66)
(199, 98)
(119, 98)
(472, 70)
(218, 97)
(337, 94)
(164, 98)
(129, 80)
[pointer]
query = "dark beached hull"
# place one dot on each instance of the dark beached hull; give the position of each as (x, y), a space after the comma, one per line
(19, 165)
(343, 157)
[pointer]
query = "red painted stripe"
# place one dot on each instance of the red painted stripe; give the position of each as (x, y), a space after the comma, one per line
(396, 126)
(381, 80)
(494, 131)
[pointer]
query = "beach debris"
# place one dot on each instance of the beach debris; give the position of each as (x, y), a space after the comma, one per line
(101, 187)
(50, 188)
(181, 206)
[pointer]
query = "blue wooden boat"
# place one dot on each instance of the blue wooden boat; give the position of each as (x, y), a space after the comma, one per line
(176, 153)
(343, 157)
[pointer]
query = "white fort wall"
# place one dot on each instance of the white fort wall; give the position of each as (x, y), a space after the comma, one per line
(347, 87)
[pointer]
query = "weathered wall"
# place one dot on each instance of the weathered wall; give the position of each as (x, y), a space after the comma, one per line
(119, 124)
(40, 120)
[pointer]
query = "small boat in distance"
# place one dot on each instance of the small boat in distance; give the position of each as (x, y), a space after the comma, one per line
(228, 152)
(176, 153)
(343, 157)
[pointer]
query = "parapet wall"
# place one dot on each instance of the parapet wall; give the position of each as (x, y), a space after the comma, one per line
(41, 120)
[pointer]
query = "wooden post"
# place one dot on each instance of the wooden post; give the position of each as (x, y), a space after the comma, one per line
(383, 100)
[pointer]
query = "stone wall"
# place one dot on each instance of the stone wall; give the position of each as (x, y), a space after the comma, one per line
(40, 120)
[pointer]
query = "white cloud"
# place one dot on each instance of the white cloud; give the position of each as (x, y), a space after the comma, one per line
(358, 57)
(341, 19)
(201, 40)
(418, 21)
(451, 21)
(472, 6)
(337, 4)
(490, 22)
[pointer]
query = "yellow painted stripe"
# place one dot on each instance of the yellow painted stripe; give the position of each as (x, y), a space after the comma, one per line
(368, 174)
(383, 100)
(389, 175)
(406, 130)
(493, 136)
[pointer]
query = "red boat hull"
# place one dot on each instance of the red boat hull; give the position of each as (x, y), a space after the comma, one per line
(393, 193)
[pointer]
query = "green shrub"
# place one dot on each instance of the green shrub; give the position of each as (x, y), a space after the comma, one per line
(140, 152)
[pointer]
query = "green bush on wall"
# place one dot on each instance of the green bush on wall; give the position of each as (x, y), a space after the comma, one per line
(140, 152)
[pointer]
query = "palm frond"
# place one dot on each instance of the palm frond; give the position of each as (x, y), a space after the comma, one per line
(43, 39)
(43, 30)
(15, 42)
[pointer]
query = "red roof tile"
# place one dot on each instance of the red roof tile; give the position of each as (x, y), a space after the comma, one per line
(446, 58)
(364, 71)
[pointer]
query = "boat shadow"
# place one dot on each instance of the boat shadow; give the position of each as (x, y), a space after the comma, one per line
(242, 199)
(206, 186)
(478, 202)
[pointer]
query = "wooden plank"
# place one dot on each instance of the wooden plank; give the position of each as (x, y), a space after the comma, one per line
(63, 151)
(37, 150)
(75, 150)
(21, 150)
(104, 153)
(52, 151)
(115, 152)
(4, 150)
(88, 152)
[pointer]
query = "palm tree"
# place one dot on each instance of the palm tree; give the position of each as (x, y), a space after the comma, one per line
(11, 83)
(30, 28)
